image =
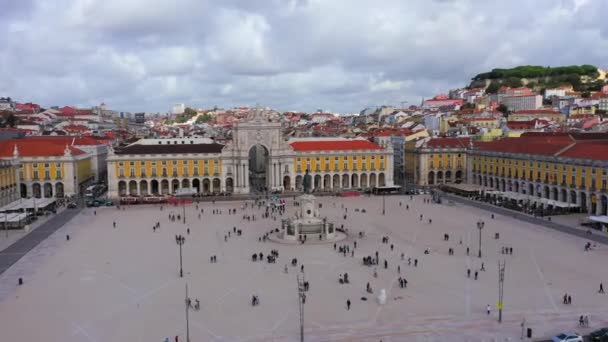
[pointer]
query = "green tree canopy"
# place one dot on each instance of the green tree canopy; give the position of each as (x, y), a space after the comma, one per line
(203, 118)
(503, 109)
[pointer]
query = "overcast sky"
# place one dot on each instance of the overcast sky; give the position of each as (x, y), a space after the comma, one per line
(338, 55)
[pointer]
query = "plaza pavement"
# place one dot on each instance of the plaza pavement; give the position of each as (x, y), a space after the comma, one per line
(122, 284)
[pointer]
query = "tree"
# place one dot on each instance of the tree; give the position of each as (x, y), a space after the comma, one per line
(203, 118)
(468, 106)
(189, 112)
(493, 87)
(503, 109)
(586, 94)
(8, 119)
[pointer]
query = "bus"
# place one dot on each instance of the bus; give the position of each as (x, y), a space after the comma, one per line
(386, 190)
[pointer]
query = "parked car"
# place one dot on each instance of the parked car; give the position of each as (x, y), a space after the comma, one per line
(72, 205)
(600, 335)
(567, 337)
(109, 203)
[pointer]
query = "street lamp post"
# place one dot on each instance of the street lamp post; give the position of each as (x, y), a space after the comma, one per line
(184, 206)
(301, 301)
(188, 303)
(180, 240)
(480, 225)
(501, 287)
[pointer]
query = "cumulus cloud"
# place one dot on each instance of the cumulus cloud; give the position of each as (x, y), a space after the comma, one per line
(339, 55)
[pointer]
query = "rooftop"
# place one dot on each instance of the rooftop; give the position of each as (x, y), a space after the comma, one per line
(334, 145)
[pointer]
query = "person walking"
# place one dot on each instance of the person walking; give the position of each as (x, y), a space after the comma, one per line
(601, 288)
(488, 309)
(348, 304)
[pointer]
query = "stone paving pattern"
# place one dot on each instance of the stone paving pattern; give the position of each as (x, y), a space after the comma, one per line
(122, 284)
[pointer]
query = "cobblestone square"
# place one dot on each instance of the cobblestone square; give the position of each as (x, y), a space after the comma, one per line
(123, 284)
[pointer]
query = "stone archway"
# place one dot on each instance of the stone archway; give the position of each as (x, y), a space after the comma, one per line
(354, 183)
(372, 180)
(381, 179)
(336, 182)
(48, 190)
(448, 176)
(229, 185)
(23, 190)
(174, 186)
(317, 182)
(206, 186)
(143, 187)
(286, 183)
(327, 182)
(258, 168)
(154, 187)
(185, 183)
(564, 196)
(299, 180)
(132, 188)
(59, 192)
(196, 183)
(164, 187)
(458, 176)
(583, 203)
(363, 180)
(573, 197)
(439, 177)
(345, 181)
(122, 188)
(217, 185)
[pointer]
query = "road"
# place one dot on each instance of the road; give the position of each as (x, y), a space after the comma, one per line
(17, 250)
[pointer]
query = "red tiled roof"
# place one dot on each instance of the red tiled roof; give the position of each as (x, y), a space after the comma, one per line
(448, 142)
(541, 144)
(334, 145)
(597, 150)
(35, 148)
(69, 140)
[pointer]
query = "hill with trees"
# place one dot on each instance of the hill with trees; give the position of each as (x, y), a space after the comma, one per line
(581, 78)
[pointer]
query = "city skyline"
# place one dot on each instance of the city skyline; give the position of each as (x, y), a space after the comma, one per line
(289, 55)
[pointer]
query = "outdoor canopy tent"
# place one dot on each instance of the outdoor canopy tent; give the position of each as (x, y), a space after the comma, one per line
(600, 219)
(27, 203)
(521, 197)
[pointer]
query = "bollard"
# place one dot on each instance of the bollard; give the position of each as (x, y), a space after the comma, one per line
(529, 333)
(20, 281)
(67, 237)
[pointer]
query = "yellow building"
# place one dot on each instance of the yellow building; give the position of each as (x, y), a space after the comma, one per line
(562, 167)
(532, 114)
(47, 168)
(9, 181)
(435, 161)
(490, 134)
(342, 163)
(163, 166)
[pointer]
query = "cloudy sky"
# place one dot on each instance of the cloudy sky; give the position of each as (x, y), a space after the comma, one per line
(339, 55)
